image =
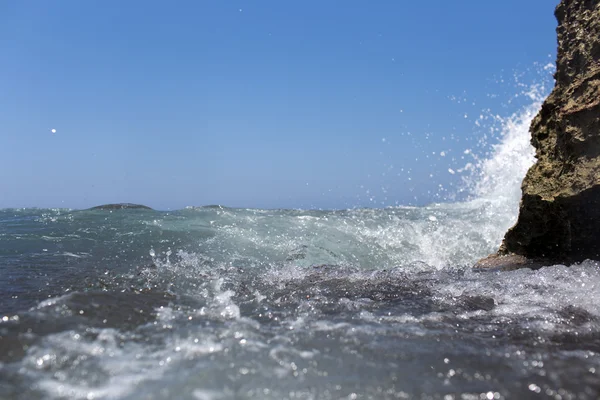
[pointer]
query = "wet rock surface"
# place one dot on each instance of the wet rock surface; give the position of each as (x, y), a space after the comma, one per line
(509, 262)
(559, 216)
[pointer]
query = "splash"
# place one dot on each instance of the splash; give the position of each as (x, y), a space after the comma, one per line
(500, 175)
(494, 180)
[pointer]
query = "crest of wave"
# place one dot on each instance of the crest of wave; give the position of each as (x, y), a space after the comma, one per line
(497, 179)
(494, 184)
(501, 174)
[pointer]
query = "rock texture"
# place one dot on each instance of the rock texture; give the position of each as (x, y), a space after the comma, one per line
(559, 216)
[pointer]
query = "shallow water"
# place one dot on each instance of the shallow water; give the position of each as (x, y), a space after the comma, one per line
(216, 303)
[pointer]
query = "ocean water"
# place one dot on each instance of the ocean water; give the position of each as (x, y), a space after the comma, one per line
(219, 303)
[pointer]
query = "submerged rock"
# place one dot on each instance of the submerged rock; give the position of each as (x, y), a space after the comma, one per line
(559, 215)
(121, 206)
(476, 303)
(576, 315)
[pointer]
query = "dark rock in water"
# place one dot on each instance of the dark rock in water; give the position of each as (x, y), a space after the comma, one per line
(121, 206)
(576, 316)
(476, 303)
(559, 216)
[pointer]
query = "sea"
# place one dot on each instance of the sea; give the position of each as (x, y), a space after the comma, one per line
(215, 303)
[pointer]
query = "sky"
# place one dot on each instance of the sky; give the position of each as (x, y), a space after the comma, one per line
(262, 104)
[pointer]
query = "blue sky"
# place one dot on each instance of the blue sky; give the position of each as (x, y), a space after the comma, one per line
(312, 104)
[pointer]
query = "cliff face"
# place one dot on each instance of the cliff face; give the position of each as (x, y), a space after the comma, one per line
(559, 216)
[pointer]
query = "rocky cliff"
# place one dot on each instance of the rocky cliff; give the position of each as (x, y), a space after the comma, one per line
(559, 216)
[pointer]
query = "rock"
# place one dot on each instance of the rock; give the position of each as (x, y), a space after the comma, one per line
(121, 206)
(476, 303)
(509, 262)
(576, 316)
(559, 215)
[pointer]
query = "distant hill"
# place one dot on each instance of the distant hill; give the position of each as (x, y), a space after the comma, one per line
(120, 206)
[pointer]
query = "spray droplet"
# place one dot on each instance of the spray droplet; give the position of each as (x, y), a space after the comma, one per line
(53, 130)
